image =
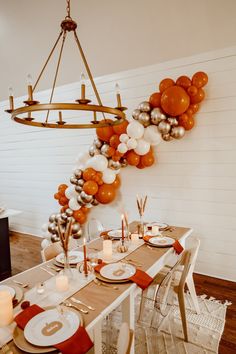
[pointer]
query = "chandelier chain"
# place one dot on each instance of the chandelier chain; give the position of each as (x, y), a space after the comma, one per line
(56, 73)
(68, 8)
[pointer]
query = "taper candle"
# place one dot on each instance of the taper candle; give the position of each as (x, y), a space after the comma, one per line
(122, 229)
(85, 258)
(6, 308)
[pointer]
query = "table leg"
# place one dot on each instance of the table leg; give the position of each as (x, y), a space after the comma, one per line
(128, 314)
(97, 331)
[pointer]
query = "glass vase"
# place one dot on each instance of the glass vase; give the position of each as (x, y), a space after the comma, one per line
(141, 227)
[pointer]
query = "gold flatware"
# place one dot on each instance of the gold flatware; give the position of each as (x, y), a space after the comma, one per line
(82, 303)
(68, 304)
(47, 271)
(53, 268)
(6, 349)
(24, 285)
(151, 248)
(134, 262)
(99, 283)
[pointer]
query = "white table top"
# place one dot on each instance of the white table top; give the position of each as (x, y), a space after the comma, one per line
(9, 212)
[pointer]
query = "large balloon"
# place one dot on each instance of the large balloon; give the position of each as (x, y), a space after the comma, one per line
(135, 130)
(98, 162)
(90, 187)
(152, 135)
(186, 121)
(105, 133)
(148, 159)
(200, 79)
(106, 194)
(164, 84)
(120, 128)
(108, 176)
(184, 81)
(142, 147)
(175, 101)
(116, 184)
(155, 100)
(132, 158)
(114, 141)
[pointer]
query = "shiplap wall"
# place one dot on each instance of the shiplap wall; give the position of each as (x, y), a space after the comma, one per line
(192, 184)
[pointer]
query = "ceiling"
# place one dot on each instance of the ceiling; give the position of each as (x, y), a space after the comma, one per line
(116, 35)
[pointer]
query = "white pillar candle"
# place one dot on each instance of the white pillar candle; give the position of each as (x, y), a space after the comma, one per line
(135, 239)
(107, 250)
(6, 308)
(155, 229)
(62, 283)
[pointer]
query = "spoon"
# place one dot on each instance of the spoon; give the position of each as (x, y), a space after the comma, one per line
(82, 303)
(96, 281)
(24, 285)
(68, 304)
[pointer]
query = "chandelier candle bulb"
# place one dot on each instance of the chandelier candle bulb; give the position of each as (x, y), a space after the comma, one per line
(117, 87)
(107, 250)
(11, 100)
(62, 283)
(82, 86)
(85, 259)
(6, 308)
(30, 89)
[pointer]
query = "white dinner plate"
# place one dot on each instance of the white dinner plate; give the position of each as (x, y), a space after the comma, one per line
(50, 327)
(9, 289)
(161, 241)
(161, 225)
(115, 233)
(150, 233)
(118, 271)
(73, 256)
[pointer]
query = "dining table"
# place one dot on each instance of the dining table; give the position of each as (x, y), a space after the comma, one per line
(104, 299)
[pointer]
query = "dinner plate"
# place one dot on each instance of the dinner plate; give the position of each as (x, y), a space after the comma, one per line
(105, 280)
(50, 327)
(9, 289)
(118, 271)
(162, 225)
(74, 257)
(150, 233)
(161, 241)
(115, 233)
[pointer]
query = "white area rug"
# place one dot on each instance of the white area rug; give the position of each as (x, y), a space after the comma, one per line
(204, 330)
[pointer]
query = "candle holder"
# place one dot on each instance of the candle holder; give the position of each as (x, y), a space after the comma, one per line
(86, 271)
(122, 247)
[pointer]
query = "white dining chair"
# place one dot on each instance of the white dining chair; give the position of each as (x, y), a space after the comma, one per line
(55, 248)
(125, 339)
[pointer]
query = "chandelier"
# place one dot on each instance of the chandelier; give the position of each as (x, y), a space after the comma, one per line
(31, 106)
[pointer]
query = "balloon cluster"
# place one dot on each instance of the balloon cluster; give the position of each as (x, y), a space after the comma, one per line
(166, 116)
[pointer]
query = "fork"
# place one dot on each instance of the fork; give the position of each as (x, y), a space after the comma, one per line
(82, 303)
(24, 285)
(6, 349)
(68, 304)
(99, 283)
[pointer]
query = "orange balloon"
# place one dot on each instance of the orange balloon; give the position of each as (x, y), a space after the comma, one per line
(200, 79)
(114, 141)
(194, 107)
(132, 158)
(147, 160)
(199, 97)
(57, 196)
(192, 90)
(111, 151)
(155, 100)
(184, 81)
(80, 216)
(63, 209)
(116, 184)
(100, 181)
(140, 165)
(62, 188)
(89, 174)
(175, 101)
(63, 201)
(105, 133)
(84, 209)
(117, 156)
(186, 121)
(164, 84)
(90, 187)
(106, 194)
(120, 128)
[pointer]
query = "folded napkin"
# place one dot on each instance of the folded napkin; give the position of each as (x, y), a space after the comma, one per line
(142, 279)
(79, 343)
(176, 245)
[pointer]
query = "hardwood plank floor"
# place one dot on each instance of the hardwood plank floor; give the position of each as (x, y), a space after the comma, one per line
(25, 253)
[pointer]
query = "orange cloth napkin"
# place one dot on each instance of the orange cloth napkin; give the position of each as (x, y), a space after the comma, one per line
(142, 279)
(176, 245)
(79, 343)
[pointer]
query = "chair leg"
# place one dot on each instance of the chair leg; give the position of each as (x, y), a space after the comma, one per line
(183, 314)
(191, 288)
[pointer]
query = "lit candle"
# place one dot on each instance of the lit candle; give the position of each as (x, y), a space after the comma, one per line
(30, 90)
(117, 88)
(11, 101)
(155, 229)
(122, 229)
(85, 259)
(82, 79)
(135, 239)
(107, 250)
(6, 308)
(62, 283)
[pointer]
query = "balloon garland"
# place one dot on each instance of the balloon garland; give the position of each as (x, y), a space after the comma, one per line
(167, 115)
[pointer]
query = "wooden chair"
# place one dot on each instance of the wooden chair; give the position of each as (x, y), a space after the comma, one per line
(55, 248)
(125, 339)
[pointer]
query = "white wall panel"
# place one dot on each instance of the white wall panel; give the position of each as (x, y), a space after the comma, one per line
(192, 184)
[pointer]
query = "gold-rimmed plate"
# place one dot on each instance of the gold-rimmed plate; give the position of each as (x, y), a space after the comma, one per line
(100, 277)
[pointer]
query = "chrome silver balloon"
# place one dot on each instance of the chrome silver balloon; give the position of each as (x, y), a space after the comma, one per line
(80, 182)
(114, 165)
(123, 162)
(173, 121)
(69, 212)
(177, 132)
(164, 127)
(97, 143)
(167, 137)
(104, 150)
(86, 197)
(78, 189)
(94, 202)
(73, 180)
(64, 217)
(75, 228)
(144, 106)
(78, 173)
(80, 201)
(52, 218)
(52, 228)
(136, 114)
(144, 119)
(58, 218)
(157, 116)
(93, 150)
(55, 238)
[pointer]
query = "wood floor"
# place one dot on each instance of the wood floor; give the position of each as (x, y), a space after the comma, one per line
(25, 253)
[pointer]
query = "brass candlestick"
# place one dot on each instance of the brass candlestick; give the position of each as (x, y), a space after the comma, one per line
(118, 98)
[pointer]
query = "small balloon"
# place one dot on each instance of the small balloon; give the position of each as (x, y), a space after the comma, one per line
(93, 150)
(152, 135)
(124, 138)
(108, 176)
(105, 150)
(131, 144)
(97, 143)
(177, 132)
(78, 173)
(86, 197)
(52, 217)
(144, 119)
(167, 137)
(114, 165)
(142, 147)
(144, 106)
(123, 162)
(157, 116)
(55, 238)
(173, 121)
(155, 100)
(122, 148)
(136, 114)
(69, 212)
(164, 127)
(73, 180)
(75, 228)
(52, 228)
(78, 189)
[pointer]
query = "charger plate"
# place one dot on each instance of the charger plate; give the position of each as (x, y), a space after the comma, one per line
(157, 241)
(20, 341)
(105, 280)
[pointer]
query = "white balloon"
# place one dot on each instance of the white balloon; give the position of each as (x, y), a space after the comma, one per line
(152, 135)
(122, 148)
(132, 143)
(45, 243)
(124, 138)
(44, 227)
(98, 162)
(73, 205)
(142, 147)
(108, 176)
(83, 157)
(70, 192)
(135, 130)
